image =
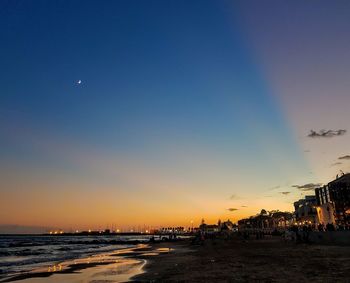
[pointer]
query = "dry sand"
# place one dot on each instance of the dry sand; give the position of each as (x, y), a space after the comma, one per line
(266, 260)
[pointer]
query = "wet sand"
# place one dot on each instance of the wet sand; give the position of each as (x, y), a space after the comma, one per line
(266, 260)
(117, 266)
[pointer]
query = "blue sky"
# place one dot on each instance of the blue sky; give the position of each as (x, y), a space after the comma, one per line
(176, 101)
(171, 69)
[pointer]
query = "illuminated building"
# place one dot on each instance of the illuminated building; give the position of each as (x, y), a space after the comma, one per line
(333, 201)
(305, 211)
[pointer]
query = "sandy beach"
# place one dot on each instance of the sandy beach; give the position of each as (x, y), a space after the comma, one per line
(266, 260)
(217, 260)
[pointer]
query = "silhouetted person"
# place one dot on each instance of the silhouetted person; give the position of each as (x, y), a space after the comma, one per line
(320, 227)
(330, 227)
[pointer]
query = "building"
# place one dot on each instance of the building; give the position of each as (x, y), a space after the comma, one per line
(281, 220)
(305, 211)
(333, 202)
(325, 207)
(209, 228)
(172, 230)
(228, 226)
(266, 221)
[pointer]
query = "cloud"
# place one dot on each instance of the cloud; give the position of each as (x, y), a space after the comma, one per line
(345, 157)
(307, 187)
(326, 133)
(244, 206)
(285, 193)
(274, 188)
(234, 196)
(336, 164)
(232, 209)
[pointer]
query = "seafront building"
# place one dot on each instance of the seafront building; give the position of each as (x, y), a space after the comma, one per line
(172, 230)
(333, 202)
(226, 226)
(209, 228)
(325, 206)
(328, 209)
(305, 211)
(329, 206)
(266, 221)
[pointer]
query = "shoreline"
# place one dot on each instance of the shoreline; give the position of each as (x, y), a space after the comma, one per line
(156, 267)
(120, 265)
(216, 260)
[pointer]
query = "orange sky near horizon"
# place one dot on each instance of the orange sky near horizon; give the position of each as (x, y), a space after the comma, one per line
(75, 205)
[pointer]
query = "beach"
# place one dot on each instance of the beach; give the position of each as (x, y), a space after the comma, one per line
(266, 260)
(117, 266)
(215, 260)
(40, 258)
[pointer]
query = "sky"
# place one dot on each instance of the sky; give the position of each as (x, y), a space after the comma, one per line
(159, 113)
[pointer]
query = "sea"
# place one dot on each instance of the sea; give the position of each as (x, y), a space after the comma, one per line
(24, 253)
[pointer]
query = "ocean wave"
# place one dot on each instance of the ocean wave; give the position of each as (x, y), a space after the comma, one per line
(22, 254)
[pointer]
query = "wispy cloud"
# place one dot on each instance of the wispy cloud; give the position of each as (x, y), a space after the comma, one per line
(326, 133)
(234, 196)
(285, 193)
(308, 187)
(274, 188)
(232, 209)
(244, 206)
(345, 157)
(336, 164)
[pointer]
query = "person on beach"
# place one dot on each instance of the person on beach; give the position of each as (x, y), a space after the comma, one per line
(320, 227)
(330, 227)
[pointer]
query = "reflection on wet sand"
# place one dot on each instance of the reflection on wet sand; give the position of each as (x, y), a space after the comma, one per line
(55, 267)
(117, 266)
